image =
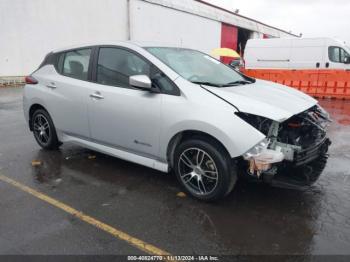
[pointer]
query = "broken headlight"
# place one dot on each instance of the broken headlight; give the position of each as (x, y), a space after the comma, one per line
(261, 123)
(322, 113)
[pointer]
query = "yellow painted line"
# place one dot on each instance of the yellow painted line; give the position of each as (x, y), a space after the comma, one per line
(138, 243)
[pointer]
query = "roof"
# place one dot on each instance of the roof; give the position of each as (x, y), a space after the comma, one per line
(114, 43)
(213, 12)
(245, 17)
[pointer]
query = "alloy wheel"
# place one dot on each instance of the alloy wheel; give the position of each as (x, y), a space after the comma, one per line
(198, 171)
(41, 129)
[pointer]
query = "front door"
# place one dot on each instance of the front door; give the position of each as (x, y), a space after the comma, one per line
(336, 58)
(119, 115)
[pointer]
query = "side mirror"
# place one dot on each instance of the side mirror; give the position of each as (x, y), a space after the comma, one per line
(142, 82)
(347, 60)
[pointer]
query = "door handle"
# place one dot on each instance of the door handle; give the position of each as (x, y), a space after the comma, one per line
(96, 95)
(318, 65)
(51, 85)
(327, 65)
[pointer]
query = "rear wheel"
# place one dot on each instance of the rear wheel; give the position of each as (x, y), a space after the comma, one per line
(204, 169)
(44, 130)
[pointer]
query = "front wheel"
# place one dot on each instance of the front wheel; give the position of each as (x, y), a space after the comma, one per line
(204, 169)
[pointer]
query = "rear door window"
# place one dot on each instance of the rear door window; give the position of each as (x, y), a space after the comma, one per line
(76, 63)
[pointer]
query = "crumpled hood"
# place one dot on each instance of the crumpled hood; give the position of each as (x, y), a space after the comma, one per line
(267, 99)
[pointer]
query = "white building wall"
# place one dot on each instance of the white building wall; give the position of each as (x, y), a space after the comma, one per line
(153, 22)
(31, 29)
(216, 14)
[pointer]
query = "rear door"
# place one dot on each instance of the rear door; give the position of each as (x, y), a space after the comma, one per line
(68, 90)
(119, 115)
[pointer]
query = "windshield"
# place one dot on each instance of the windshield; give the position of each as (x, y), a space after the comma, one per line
(198, 67)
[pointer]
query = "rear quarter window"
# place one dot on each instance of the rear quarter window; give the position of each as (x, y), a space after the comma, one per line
(74, 64)
(59, 63)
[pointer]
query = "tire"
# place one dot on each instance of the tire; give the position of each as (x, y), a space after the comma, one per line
(204, 169)
(44, 130)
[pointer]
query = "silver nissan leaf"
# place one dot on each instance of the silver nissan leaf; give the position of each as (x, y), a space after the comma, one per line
(179, 110)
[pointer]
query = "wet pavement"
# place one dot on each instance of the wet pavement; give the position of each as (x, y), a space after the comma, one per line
(253, 219)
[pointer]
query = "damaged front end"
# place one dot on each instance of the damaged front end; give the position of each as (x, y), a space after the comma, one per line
(294, 151)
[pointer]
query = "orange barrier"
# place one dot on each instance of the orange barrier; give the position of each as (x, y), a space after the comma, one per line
(338, 109)
(318, 83)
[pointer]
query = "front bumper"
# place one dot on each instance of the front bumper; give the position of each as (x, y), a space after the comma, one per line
(311, 153)
(305, 168)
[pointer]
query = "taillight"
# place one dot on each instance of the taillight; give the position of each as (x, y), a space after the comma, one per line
(31, 80)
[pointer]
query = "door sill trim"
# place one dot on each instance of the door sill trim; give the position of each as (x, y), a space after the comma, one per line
(122, 154)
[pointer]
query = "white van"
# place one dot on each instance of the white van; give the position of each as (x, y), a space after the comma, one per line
(296, 53)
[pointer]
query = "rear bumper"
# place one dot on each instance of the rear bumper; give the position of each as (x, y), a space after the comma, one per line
(25, 106)
(309, 154)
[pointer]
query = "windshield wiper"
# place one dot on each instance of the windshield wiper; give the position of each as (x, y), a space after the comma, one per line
(206, 83)
(238, 82)
(235, 83)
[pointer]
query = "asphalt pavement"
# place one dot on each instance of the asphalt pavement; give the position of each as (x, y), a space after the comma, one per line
(254, 219)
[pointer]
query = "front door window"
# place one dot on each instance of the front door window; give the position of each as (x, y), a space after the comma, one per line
(337, 54)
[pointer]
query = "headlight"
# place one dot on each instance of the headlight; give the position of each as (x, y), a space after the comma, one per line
(323, 113)
(262, 124)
